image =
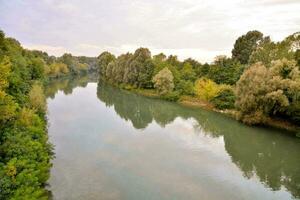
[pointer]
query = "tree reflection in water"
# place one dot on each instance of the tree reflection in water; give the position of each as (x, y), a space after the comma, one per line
(269, 154)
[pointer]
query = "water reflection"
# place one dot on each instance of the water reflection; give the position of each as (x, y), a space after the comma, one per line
(269, 155)
(67, 84)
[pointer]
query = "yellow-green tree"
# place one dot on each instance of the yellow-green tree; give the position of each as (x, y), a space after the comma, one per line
(5, 68)
(206, 89)
(37, 98)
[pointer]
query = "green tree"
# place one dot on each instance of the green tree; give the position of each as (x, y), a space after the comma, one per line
(163, 81)
(245, 45)
(103, 60)
(225, 99)
(5, 69)
(269, 51)
(188, 73)
(225, 70)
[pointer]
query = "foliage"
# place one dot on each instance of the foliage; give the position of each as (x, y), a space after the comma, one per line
(214, 82)
(187, 72)
(5, 68)
(163, 81)
(185, 87)
(245, 45)
(57, 69)
(103, 60)
(269, 51)
(24, 149)
(225, 99)
(262, 92)
(171, 96)
(206, 89)
(225, 70)
(37, 98)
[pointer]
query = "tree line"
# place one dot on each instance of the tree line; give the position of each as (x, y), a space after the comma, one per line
(259, 82)
(25, 152)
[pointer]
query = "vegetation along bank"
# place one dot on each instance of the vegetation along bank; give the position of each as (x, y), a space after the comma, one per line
(258, 85)
(25, 152)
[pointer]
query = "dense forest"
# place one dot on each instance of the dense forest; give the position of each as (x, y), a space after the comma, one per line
(259, 83)
(25, 152)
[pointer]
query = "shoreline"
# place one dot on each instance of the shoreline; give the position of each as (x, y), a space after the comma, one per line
(189, 101)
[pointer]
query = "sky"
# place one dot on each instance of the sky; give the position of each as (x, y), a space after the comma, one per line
(187, 28)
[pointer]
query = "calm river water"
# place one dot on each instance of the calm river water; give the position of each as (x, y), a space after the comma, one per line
(112, 144)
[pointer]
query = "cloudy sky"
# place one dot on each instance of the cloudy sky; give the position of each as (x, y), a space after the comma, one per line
(187, 28)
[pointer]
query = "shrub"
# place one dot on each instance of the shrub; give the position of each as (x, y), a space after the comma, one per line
(171, 96)
(225, 99)
(185, 87)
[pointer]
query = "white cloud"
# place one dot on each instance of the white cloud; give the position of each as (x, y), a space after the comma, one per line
(189, 28)
(52, 50)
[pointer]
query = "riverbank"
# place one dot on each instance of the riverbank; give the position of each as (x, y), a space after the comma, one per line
(194, 102)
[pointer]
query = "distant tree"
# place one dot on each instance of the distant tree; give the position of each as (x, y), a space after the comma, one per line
(103, 60)
(163, 81)
(173, 60)
(268, 51)
(245, 45)
(37, 68)
(140, 68)
(57, 69)
(187, 72)
(197, 67)
(225, 70)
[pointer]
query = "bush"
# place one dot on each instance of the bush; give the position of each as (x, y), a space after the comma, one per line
(171, 96)
(225, 99)
(185, 88)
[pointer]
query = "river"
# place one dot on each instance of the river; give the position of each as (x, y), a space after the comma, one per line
(113, 144)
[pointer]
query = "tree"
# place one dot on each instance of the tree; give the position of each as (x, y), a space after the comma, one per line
(37, 98)
(206, 89)
(268, 51)
(185, 87)
(103, 60)
(245, 45)
(163, 81)
(263, 92)
(225, 70)
(57, 69)
(188, 73)
(7, 108)
(37, 68)
(5, 69)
